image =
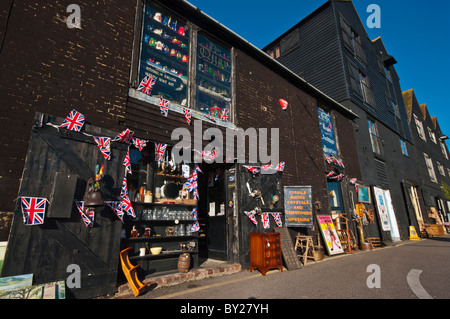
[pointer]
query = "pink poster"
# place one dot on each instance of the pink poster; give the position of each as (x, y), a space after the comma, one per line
(330, 235)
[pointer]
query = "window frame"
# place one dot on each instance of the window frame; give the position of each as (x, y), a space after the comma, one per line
(440, 168)
(404, 147)
(430, 168)
(443, 149)
(431, 135)
(374, 137)
(420, 129)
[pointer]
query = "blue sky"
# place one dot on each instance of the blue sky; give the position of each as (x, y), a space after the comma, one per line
(416, 33)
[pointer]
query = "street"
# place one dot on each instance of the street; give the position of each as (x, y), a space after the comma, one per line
(410, 270)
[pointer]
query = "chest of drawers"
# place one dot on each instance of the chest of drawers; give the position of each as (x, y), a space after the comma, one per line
(265, 252)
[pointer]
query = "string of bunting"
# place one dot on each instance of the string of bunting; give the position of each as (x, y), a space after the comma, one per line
(269, 167)
(265, 218)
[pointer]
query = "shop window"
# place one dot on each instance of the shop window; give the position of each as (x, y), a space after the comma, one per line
(374, 138)
(213, 94)
(403, 146)
(165, 55)
(430, 168)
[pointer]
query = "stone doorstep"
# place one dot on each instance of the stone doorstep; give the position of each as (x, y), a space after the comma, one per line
(124, 291)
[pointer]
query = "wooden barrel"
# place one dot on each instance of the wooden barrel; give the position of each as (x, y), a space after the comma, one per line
(184, 262)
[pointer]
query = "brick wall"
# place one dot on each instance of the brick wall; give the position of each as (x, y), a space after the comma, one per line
(47, 67)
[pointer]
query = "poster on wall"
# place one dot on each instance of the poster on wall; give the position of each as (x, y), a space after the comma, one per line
(298, 206)
(329, 234)
(327, 133)
(382, 208)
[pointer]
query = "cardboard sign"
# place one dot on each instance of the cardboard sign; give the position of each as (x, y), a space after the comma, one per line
(298, 206)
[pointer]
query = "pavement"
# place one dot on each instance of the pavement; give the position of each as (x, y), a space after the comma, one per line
(214, 268)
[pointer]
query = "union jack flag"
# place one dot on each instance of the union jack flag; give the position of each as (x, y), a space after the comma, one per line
(225, 115)
(187, 115)
(126, 206)
(140, 144)
(193, 177)
(280, 166)
(266, 167)
(197, 169)
(160, 150)
(330, 174)
(195, 227)
(194, 213)
(74, 121)
(127, 163)
(124, 189)
(116, 208)
(146, 85)
(253, 170)
(265, 220)
(87, 215)
(191, 185)
(277, 218)
(104, 144)
(196, 193)
(328, 159)
(164, 106)
(33, 210)
(212, 119)
(124, 137)
(251, 216)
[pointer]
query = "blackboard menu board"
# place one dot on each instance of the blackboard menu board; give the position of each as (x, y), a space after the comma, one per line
(298, 206)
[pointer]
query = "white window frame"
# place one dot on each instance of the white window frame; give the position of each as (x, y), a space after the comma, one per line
(432, 136)
(430, 167)
(444, 151)
(420, 129)
(440, 169)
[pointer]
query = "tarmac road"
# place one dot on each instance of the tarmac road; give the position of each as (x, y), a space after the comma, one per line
(410, 270)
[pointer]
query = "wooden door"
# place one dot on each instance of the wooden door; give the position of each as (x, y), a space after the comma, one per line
(47, 250)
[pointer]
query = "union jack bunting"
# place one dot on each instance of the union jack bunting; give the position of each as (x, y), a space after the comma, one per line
(87, 215)
(116, 208)
(280, 167)
(251, 216)
(330, 174)
(160, 150)
(124, 137)
(212, 119)
(127, 163)
(277, 218)
(191, 185)
(146, 85)
(197, 169)
(328, 159)
(187, 115)
(33, 210)
(140, 144)
(126, 206)
(225, 115)
(196, 193)
(124, 188)
(74, 121)
(195, 227)
(164, 106)
(252, 169)
(194, 213)
(265, 220)
(267, 167)
(193, 177)
(104, 144)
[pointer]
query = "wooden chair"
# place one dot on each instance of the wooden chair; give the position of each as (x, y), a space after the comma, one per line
(345, 234)
(130, 273)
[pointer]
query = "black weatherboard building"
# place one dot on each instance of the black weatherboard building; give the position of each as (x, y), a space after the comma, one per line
(331, 49)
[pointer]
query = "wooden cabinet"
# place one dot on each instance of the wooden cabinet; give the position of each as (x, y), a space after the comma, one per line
(265, 252)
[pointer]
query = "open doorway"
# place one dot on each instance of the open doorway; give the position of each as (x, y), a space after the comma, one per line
(212, 212)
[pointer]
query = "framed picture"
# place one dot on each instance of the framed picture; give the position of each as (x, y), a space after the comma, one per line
(364, 194)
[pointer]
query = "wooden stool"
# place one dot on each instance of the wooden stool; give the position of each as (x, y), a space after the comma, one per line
(304, 244)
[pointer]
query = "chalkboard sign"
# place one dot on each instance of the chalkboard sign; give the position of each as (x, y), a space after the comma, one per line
(298, 206)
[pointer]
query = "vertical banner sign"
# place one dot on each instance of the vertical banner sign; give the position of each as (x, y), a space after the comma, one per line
(298, 206)
(382, 209)
(327, 133)
(330, 236)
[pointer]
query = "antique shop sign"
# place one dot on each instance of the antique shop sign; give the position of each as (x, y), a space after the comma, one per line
(298, 206)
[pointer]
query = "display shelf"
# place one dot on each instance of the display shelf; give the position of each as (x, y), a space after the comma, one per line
(162, 238)
(162, 255)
